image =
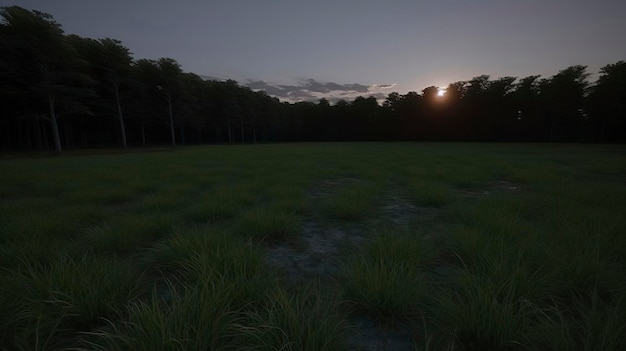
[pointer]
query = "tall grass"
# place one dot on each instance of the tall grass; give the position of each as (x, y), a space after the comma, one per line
(530, 266)
(84, 238)
(43, 235)
(220, 204)
(588, 323)
(217, 277)
(44, 306)
(351, 202)
(213, 253)
(288, 197)
(201, 317)
(308, 319)
(388, 280)
(269, 223)
(430, 193)
(483, 314)
(125, 233)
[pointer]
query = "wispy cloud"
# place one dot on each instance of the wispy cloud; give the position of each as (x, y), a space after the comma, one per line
(385, 86)
(313, 90)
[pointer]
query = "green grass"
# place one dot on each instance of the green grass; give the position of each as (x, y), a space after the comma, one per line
(201, 317)
(40, 235)
(482, 314)
(125, 233)
(43, 305)
(218, 205)
(167, 250)
(352, 202)
(430, 193)
(587, 324)
(304, 320)
(387, 280)
(268, 224)
(211, 253)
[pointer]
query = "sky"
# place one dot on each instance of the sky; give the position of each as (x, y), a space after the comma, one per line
(339, 49)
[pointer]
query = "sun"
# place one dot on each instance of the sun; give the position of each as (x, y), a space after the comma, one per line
(441, 92)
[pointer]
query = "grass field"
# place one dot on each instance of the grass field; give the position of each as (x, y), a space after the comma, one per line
(373, 246)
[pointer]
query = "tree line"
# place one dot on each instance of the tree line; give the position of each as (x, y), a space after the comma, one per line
(61, 91)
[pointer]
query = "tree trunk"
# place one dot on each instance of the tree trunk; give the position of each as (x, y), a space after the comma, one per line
(230, 136)
(55, 127)
(27, 133)
(84, 133)
(44, 135)
(172, 131)
(552, 135)
(37, 134)
(143, 134)
(602, 133)
(69, 136)
(120, 116)
(242, 132)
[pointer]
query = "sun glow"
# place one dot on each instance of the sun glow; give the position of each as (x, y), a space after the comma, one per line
(441, 92)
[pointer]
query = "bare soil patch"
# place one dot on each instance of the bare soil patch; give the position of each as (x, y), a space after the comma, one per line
(330, 187)
(316, 256)
(491, 188)
(316, 252)
(400, 210)
(370, 335)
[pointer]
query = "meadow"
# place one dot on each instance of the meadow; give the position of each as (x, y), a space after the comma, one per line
(320, 246)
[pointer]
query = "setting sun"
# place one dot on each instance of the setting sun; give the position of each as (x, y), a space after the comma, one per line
(441, 92)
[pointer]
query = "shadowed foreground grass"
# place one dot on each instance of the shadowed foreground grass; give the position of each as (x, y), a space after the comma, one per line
(502, 246)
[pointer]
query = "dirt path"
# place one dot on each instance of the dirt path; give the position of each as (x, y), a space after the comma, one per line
(317, 256)
(322, 241)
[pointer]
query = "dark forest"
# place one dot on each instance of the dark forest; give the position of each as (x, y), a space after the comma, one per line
(61, 91)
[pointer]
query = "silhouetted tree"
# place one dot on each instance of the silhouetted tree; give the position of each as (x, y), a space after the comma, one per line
(46, 76)
(608, 103)
(48, 67)
(430, 114)
(475, 105)
(500, 114)
(526, 102)
(455, 122)
(563, 98)
(148, 104)
(110, 66)
(364, 117)
(170, 85)
(405, 111)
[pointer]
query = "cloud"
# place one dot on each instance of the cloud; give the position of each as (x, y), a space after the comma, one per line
(313, 90)
(270, 89)
(386, 86)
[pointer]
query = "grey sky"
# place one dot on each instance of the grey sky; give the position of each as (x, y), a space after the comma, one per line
(354, 47)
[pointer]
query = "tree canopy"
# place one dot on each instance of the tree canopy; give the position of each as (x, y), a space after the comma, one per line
(63, 91)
